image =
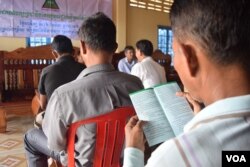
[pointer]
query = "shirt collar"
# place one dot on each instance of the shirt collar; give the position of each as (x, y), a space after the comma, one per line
(147, 58)
(96, 68)
(232, 105)
(65, 57)
(126, 60)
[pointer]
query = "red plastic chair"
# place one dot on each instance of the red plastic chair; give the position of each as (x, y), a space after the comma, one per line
(109, 137)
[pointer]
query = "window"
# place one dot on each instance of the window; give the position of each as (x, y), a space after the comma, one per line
(157, 5)
(37, 41)
(165, 37)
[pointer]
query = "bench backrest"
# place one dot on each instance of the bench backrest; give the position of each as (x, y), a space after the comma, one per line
(20, 71)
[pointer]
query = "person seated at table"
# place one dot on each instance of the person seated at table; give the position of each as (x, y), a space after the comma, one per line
(126, 63)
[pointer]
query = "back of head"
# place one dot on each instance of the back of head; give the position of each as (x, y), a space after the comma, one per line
(145, 46)
(220, 27)
(62, 44)
(99, 33)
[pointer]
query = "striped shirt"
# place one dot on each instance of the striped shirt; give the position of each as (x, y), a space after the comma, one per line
(221, 126)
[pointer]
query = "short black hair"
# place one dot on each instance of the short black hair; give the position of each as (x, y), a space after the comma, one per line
(99, 32)
(62, 44)
(145, 46)
(129, 48)
(221, 28)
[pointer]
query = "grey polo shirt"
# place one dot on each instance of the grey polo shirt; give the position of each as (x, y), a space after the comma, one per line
(97, 90)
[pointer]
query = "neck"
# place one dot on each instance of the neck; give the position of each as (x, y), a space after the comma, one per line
(129, 60)
(95, 58)
(141, 58)
(226, 82)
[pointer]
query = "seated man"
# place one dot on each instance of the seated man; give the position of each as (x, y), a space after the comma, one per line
(212, 47)
(98, 89)
(64, 70)
(126, 64)
(150, 72)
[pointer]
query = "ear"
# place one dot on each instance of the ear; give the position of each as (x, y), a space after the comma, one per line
(190, 58)
(83, 47)
(116, 46)
(54, 53)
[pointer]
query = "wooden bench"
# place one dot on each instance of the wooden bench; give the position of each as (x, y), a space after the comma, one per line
(19, 76)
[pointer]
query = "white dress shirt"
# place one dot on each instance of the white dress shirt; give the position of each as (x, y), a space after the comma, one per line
(150, 72)
(223, 125)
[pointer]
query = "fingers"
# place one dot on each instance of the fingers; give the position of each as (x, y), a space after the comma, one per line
(132, 121)
(181, 94)
(140, 124)
(186, 95)
(134, 133)
(194, 103)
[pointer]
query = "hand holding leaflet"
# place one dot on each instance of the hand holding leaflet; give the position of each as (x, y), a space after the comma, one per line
(165, 113)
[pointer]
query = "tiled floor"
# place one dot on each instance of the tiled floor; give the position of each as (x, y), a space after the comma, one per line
(11, 142)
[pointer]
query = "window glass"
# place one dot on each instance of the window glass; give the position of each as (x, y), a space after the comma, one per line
(37, 41)
(165, 38)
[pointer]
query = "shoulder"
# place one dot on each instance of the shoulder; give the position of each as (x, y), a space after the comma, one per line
(79, 65)
(168, 154)
(99, 81)
(130, 78)
(121, 61)
(49, 69)
(137, 65)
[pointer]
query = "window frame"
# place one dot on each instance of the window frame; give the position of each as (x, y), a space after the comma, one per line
(169, 40)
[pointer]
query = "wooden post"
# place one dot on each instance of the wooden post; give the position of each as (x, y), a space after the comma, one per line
(3, 123)
(1, 76)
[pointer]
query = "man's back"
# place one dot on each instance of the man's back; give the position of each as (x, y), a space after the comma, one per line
(97, 90)
(63, 71)
(150, 72)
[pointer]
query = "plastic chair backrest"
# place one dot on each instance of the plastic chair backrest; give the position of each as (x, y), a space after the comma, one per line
(109, 137)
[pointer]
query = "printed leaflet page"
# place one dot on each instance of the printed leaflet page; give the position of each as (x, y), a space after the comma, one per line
(177, 109)
(157, 128)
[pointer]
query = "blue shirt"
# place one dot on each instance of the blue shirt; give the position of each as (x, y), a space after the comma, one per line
(125, 66)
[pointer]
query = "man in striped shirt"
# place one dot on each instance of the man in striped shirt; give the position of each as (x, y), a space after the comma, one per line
(212, 56)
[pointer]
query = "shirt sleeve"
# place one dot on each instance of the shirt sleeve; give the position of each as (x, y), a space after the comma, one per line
(41, 87)
(133, 157)
(120, 66)
(136, 71)
(54, 125)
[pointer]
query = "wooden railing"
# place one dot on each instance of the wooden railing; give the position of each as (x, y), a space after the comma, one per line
(19, 76)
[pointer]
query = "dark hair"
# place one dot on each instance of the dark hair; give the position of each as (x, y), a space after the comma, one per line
(145, 46)
(221, 28)
(62, 44)
(129, 48)
(99, 32)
